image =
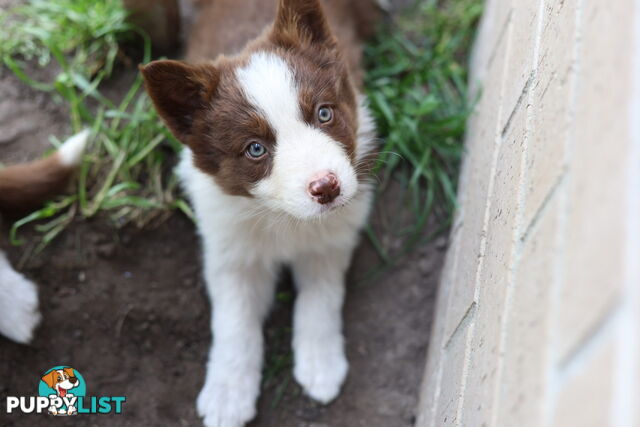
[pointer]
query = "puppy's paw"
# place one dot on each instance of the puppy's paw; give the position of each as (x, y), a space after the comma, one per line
(19, 314)
(321, 368)
(227, 403)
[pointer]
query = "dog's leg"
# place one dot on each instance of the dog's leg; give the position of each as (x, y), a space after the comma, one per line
(241, 299)
(18, 304)
(318, 344)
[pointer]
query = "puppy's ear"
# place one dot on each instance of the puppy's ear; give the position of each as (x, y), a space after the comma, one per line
(50, 378)
(180, 92)
(301, 22)
(69, 371)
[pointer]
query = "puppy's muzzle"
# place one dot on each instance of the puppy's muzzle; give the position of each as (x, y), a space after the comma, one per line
(325, 188)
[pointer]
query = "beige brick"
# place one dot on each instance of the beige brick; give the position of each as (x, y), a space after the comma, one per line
(483, 362)
(596, 225)
(501, 227)
(492, 32)
(451, 386)
(523, 381)
(550, 129)
(494, 278)
(584, 399)
(430, 388)
(482, 132)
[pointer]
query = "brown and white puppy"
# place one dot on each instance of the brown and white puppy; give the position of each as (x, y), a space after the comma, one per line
(278, 145)
(24, 187)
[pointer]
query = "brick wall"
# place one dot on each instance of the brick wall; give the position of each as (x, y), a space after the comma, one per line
(538, 318)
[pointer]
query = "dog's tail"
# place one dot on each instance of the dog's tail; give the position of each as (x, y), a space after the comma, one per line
(27, 186)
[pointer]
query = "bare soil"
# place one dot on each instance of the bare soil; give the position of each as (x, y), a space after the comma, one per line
(127, 308)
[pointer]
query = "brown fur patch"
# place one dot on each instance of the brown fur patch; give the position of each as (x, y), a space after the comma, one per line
(25, 187)
(224, 131)
(323, 81)
(226, 26)
(301, 23)
(206, 110)
(178, 91)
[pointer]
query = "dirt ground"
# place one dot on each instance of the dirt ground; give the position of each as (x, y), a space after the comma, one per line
(127, 309)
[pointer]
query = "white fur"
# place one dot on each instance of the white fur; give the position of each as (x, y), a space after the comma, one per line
(246, 240)
(72, 149)
(18, 304)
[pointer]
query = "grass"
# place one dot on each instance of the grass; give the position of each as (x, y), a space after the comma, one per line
(416, 82)
(124, 173)
(417, 85)
(81, 36)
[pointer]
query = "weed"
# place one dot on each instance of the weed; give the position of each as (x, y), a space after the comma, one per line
(417, 86)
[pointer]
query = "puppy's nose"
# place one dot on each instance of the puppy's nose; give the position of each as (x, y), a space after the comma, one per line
(73, 380)
(325, 188)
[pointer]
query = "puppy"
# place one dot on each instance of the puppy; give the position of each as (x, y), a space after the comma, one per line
(62, 381)
(24, 187)
(278, 143)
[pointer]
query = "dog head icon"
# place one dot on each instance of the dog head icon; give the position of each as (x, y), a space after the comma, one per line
(61, 380)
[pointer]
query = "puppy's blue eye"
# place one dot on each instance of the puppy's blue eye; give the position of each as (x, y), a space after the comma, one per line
(256, 150)
(325, 114)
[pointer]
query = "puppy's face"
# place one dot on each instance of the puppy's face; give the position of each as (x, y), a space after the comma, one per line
(277, 123)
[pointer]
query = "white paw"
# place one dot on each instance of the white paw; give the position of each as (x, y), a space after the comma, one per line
(321, 368)
(227, 403)
(18, 307)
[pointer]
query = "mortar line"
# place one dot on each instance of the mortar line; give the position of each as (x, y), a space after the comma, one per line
(503, 32)
(466, 319)
(438, 390)
(557, 184)
(598, 331)
(523, 95)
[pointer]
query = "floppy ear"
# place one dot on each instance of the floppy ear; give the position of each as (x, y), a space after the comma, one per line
(301, 22)
(69, 372)
(50, 378)
(179, 91)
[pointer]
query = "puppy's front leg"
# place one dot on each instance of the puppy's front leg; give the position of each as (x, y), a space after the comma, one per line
(19, 313)
(240, 299)
(320, 363)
